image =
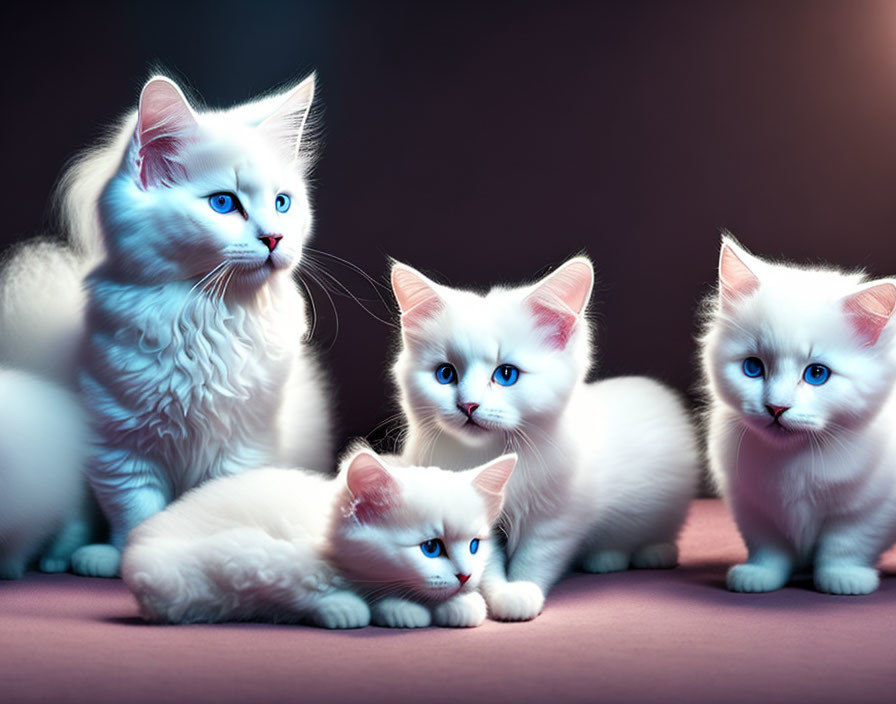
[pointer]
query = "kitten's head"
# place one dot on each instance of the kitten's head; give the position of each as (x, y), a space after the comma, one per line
(198, 190)
(417, 531)
(798, 352)
(482, 367)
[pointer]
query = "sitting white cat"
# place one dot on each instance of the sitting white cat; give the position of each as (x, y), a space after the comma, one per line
(606, 470)
(396, 546)
(800, 365)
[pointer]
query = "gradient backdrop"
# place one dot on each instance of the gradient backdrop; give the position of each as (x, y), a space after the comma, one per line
(484, 141)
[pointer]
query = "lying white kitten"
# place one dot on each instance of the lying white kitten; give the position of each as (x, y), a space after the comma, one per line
(400, 547)
(192, 365)
(800, 366)
(44, 509)
(606, 470)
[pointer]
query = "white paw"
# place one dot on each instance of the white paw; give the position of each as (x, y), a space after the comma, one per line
(464, 611)
(515, 601)
(53, 564)
(99, 560)
(852, 580)
(755, 578)
(601, 561)
(341, 610)
(399, 613)
(658, 556)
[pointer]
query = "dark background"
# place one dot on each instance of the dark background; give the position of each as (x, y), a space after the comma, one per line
(484, 141)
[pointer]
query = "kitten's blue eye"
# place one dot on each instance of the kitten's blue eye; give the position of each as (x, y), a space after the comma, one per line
(474, 546)
(753, 367)
(283, 202)
(816, 374)
(433, 548)
(446, 374)
(506, 375)
(224, 202)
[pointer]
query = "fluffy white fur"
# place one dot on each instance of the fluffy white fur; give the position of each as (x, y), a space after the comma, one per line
(44, 510)
(289, 545)
(606, 470)
(189, 330)
(816, 487)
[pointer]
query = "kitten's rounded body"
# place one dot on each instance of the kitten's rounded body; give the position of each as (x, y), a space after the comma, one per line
(606, 470)
(290, 545)
(809, 470)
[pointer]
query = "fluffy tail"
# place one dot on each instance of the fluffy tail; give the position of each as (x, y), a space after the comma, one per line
(42, 296)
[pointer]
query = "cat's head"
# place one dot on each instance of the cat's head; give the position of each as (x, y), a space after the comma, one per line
(210, 190)
(798, 352)
(480, 367)
(418, 531)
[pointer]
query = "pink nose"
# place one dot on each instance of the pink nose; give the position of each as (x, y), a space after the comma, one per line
(270, 241)
(776, 411)
(462, 578)
(468, 408)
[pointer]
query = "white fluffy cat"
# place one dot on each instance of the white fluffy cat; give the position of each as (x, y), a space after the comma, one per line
(401, 547)
(606, 470)
(800, 366)
(189, 339)
(44, 507)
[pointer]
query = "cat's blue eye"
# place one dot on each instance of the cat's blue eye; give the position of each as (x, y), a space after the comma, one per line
(446, 374)
(224, 202)
(506, 375)
(816, 374)
(283, 202)
(433, 548)
(474, 546)
(753, 367)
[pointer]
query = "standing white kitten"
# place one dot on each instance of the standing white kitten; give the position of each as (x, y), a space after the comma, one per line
(44, 510)
(192, 362)
(606, 470)
(398, 546)
(800, 366)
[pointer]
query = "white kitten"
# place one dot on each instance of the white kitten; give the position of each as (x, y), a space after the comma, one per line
(190, 341)
(400, 547)
(800, 366)
(44, 509)
(606, 470)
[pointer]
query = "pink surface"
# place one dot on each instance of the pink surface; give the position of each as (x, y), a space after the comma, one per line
(644, 636)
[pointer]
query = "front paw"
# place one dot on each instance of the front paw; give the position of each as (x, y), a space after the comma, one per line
(463, 611)
(399, 613)
(53, 565)
(99, 560)
(846, 579)
(755, 578)
(515, 601)
(341, 610)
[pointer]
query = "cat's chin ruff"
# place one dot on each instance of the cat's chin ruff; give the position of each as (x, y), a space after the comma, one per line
(821, 499)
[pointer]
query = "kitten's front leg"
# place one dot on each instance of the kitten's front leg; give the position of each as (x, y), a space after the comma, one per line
(461, 611)
(393, 612)
(129, 491)
(845, 557)
(768, 567)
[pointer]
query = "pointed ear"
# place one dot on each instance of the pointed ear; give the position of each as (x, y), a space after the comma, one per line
(560, 299)
(374, 489)
(870, 309)
(287, 123)
(416, 295)
(490, 481)
(736, 279)
(164, 121)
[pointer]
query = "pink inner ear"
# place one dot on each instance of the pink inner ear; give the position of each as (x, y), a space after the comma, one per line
(570, 284)
(559, 324)
(286, 125)
(416, 297)
(374, 489)
(163, 122)
(870, 309)
(493, 477)
(735, 277)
